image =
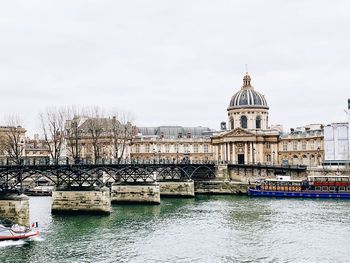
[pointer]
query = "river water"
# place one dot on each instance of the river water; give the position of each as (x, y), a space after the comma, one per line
(203, 229)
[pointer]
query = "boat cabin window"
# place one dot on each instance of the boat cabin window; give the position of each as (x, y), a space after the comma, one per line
(331, 188)
(317, 188)
(342, 188)
(324, 188)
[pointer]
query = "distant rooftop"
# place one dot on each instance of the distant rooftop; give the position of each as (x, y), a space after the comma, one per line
(175, 131)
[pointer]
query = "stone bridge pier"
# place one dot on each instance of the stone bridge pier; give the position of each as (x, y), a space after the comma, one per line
(183, 188)
(15, 207)
(81, 200)
(146, 193)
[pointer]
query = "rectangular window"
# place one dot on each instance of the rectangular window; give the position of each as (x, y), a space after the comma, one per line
(268, 145)
(176, 148)
(186, 149)
(147, 148)
(137, 148)
(195, 148)
(303, 145)
(285, 146)
(311, 145)
(295, 146)
(206, 148)
(167, 148)
(268, 158)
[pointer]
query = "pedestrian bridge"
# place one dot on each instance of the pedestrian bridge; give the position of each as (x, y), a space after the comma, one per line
(87, 175)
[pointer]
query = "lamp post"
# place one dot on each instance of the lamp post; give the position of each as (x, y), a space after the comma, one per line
(273, 157)
(254, 155)
(154, 155)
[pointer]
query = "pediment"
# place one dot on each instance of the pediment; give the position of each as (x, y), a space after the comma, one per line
(239, 132)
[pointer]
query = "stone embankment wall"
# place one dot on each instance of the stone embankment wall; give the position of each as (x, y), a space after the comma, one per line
(16, 208)
(250, 175)
(220, 187)
(321, 171)
(180, 189)
(143, 193)
(93, 201)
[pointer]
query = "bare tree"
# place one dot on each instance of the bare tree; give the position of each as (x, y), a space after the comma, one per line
(120, 133)
(95, 126)
(73, 132)
(52, 125)
(13, 140)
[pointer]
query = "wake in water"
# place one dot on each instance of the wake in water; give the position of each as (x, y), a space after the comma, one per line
(22, 242)
(10, 243)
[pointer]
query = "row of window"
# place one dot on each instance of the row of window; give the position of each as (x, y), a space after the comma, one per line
(296, 145)
(172, 148)
(244, 122)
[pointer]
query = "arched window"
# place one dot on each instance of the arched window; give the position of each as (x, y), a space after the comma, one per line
(258, 122)
(244, 122)
(232, 123)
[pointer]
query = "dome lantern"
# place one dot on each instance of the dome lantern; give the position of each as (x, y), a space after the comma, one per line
(246, 81)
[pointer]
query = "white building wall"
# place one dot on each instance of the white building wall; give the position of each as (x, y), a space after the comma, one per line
(329, 150)
(336, 142)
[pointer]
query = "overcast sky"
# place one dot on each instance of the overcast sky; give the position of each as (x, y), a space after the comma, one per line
(176, 62)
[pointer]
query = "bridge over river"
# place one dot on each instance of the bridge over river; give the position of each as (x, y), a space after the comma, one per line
(91, 188)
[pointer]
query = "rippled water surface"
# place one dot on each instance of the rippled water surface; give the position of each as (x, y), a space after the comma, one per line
(204, 229)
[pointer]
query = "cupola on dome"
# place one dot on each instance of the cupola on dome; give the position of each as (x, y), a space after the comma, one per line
(247, 97)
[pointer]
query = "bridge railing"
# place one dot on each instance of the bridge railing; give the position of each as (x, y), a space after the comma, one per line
(40, 161)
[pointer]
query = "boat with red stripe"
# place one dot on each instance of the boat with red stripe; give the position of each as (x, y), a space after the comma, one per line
(312, 187)
(17, 232)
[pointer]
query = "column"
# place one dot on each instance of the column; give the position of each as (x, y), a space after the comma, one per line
(233, 153)
(261, 153)
(246, 153)
(229, 151)
(251, 153)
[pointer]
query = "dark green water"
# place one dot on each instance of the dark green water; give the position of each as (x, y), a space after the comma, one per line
(204, 229)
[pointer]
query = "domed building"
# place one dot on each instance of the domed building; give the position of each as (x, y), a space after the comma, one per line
(249, 139)
(248, 108)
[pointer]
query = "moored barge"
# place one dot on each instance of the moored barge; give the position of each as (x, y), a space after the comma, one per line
(313, 187)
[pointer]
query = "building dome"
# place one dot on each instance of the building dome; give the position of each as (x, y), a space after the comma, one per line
(247, 97)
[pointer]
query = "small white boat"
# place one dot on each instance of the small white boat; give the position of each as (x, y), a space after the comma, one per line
(17, 232)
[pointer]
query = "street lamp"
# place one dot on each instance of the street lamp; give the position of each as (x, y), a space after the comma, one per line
(273, 157)
(254, 155)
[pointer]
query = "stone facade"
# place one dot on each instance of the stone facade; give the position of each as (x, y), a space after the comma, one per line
(302, 146)
(36, 151)
(251, 140)
(172, 144)
(12, 144)
(98, 139)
